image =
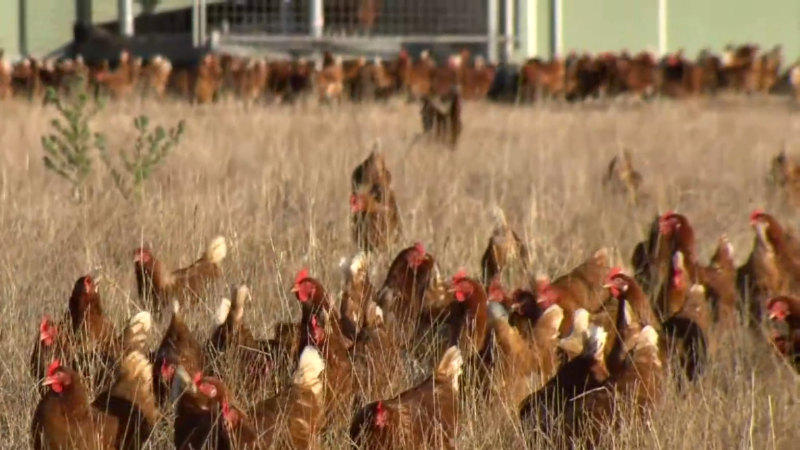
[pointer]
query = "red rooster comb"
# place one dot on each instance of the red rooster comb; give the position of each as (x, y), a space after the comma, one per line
(142, 255)
(51, 369)
(88, 282)
(46, 323)
(317, 333)
(756, 214)
(47, 331)
(668, 214)
(165, 370)
(419, 248)
(496, 292)
(302, 275)
(614, 272)
(380, 415)
(197, 378)
(460, 276)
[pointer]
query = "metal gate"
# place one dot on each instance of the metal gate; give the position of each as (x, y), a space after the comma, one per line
(365, 27)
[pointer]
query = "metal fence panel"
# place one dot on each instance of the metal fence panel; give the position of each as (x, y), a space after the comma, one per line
(284, 17)
(351, 17)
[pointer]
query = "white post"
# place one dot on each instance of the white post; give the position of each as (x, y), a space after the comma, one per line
(317, 19)
(125, 17)
(509, 30)
(558, 28)
(662, 27)
(201, 17)
(492, 30)
(531, 26)
(196, 23)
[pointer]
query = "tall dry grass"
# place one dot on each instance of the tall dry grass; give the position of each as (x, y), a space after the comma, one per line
(275, 182)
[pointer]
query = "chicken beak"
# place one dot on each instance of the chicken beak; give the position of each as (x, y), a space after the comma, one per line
(176, 390)
(181, 382)
(607, 286)
(48, 381)
(295, 289)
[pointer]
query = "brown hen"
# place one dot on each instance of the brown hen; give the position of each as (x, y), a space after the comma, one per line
(156, 283)
(423, 417)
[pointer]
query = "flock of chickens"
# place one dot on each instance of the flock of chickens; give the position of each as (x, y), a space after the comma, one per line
(567, 353)
(740, 69)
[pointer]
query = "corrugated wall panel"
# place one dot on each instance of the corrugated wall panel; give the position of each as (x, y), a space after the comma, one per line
(693, 24)
(610, 25)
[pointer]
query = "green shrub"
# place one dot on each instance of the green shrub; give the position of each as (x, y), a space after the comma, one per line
(72, 147)
(69, 148)
(137, 164)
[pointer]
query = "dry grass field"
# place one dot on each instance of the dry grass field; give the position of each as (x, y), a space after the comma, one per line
(275, 182)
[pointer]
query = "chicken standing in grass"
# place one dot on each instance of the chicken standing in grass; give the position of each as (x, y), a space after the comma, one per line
(178, 347)
(375, 218)
(87, 317)
(784, 315)
(423, 417)
(621, 178)
(339, 377)
(121, 418)
(254, 361)
(314, 303)
(158, 285)
(504, 248)
(199, 422)
(86, 340)
(549, 409)
(402, 296)
(468, 316)
(356, 294)
(652, 258)
(773, 267)
(519, 365)
(291, 419)
(375, 224)
(85, 331)
(719, 278)
(582, 287)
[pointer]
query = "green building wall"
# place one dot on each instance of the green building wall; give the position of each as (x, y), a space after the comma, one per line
(106, 10)
(9, 29)
(609, 25)
(48, 25)
(40, 27)
(694, 25)
(614, 25)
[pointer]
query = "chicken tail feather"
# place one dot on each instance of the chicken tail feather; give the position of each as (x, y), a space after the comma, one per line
(217, 250)
(499, 218)
(450, 366)
(240, 296)
(596, 342)
(137, 331)
(353, 266)
(552, 318)
(135, 384)
(309, 370)
(574, 344)
(224, 308)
